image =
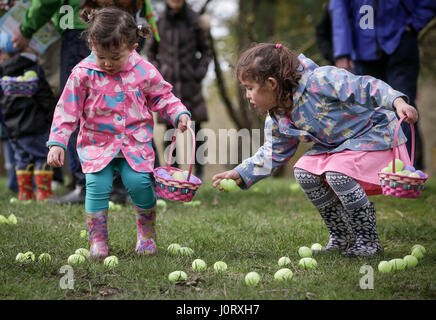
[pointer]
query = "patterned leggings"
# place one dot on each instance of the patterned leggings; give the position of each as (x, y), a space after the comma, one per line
(325, 190)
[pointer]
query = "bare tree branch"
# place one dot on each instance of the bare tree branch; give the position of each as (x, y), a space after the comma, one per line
(222, 87)
(203, 9)
(428, 27)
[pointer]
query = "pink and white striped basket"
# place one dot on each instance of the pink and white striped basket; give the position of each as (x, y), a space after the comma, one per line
(171, 189)
(394, 184)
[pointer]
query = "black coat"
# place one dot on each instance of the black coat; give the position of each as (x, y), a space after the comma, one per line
(323, 34)
(24, 116)
(182, 57)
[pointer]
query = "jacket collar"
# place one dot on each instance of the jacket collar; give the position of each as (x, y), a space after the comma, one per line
(307, 67)
(133, 59)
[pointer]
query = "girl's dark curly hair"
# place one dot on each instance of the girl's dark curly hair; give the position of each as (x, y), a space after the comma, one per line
(112, 27)
(265, 60)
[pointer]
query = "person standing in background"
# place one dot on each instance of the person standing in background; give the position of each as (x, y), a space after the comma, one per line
(183, 56)
(380, 37)
(73, 49)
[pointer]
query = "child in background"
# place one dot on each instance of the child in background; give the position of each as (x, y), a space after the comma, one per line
(114, 92)
(27, 121)
(351, 121)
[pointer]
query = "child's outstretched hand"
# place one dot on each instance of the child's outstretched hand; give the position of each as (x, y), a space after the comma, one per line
(182, 124)
(55, 157)
(405, 109)
(231, 174)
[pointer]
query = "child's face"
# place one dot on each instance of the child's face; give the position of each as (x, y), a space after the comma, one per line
(112, 61)
(176, 5)
(263, 97)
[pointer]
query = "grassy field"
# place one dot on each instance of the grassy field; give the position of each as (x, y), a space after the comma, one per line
(249, 230)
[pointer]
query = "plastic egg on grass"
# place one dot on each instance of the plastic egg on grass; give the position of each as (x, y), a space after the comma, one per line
(111, 261)
(82, 251)
(305, 252)
(194, 203)
(283, 261)
(111, 205)
(20, 257)
(185, 251)
(13, 200)
(294, 187)
(411, 261)
(161, 204)
(384, 267)
(25, 257)
(174, 248)
(76, 259)
(398, 264)
(308, 263)
(252, 279)
(177, 276)
(83, 234)
(44, 258)
(199, 265)
(284, 274)
(417, 253)
(316, 247)
(3, 219)
(220, 266)
(12, 219)
(420, 247)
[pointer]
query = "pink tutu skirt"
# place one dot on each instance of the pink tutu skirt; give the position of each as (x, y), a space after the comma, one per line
(363, 166)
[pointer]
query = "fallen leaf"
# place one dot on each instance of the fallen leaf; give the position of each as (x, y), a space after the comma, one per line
(310, 296)
(108, 291)
(400, 213)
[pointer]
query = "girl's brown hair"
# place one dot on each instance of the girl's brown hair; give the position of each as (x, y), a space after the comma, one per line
(112, 27)
(265, 60)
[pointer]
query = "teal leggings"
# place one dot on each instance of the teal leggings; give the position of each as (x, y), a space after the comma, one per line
(139, 185)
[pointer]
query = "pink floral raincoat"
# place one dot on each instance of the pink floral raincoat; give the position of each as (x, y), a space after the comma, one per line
(115, 113)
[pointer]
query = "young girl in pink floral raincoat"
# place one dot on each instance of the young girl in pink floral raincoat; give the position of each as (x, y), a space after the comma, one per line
(113, 93)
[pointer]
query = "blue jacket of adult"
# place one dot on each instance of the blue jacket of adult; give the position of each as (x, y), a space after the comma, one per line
(355, 35)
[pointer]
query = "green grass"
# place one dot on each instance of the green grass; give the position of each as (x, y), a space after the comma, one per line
(248, 230)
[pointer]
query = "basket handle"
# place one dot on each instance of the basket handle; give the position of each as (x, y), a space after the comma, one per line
(395, 142)
(193, 149)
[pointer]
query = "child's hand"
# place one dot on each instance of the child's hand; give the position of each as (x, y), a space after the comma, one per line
(405, 109)
(19, 41)
(231, 174)
(182, 124)
(55, 157)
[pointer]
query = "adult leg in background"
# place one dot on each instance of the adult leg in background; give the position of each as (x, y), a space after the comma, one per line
(402, 75)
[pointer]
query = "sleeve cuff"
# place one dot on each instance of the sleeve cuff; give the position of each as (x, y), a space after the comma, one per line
(244, 177)
(26, 33)
(54, 143)
(178, 116)
(394, 97)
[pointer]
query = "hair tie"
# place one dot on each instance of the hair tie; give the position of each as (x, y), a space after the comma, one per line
(278, 45)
